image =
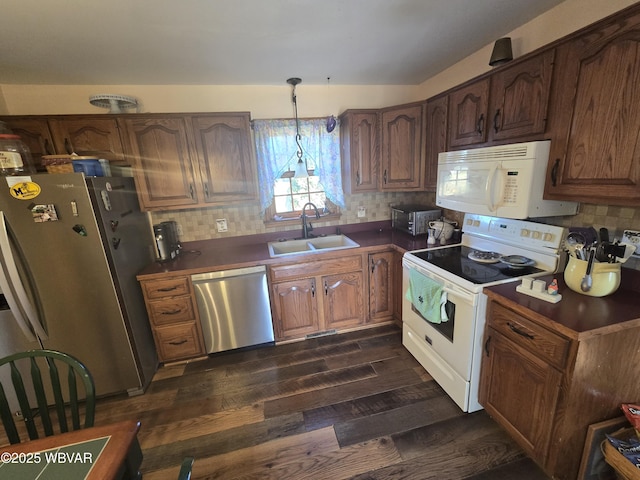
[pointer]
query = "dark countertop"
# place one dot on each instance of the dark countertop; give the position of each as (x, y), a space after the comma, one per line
(576, 315)
(236, 252)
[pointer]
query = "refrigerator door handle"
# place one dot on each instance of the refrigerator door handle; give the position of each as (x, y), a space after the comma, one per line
(12, 284)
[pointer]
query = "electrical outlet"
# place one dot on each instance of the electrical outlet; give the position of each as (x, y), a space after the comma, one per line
(362, 212)
(221, 225)
(633, 237)
(179, 228)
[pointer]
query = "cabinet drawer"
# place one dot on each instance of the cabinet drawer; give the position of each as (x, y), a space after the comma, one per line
(176, 342)
(545, 344)
(171, 310)
(168, 287)
(310, 269)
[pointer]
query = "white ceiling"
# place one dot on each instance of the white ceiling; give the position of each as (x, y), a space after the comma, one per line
(247, 42)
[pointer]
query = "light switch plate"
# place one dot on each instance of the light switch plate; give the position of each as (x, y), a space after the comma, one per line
(221, 225)
(633, 237)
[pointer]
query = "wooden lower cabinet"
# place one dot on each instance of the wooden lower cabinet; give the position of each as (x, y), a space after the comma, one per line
(521, 392)
(545, 385)
(311, 297)
(174, 318)
(381, 286)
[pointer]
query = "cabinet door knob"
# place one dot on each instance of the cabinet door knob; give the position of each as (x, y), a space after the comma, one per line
(486, 346)
(554, 172)
(480, 124)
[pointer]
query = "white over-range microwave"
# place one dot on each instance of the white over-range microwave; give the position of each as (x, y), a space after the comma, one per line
(502, 181)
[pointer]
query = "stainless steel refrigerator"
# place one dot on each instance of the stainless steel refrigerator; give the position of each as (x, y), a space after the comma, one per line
(70, 249)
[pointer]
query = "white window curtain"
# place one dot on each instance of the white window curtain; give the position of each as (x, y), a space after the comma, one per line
(276, 153)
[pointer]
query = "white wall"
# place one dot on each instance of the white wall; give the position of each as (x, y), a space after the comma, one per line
(566, 18)
(262, 101)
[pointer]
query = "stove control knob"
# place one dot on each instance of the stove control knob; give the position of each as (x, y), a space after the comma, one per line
(536, 235)
(548, 237)
(524, 232)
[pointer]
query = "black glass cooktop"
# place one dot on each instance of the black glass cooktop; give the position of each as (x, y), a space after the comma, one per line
(456, 260)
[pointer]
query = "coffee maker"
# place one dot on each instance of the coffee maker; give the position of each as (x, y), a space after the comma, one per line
(167, 240)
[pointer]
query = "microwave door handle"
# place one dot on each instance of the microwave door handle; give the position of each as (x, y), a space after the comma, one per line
(14, 284)
(490, 186)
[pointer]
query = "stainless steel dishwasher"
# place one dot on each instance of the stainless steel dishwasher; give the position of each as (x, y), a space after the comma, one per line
(234, 308)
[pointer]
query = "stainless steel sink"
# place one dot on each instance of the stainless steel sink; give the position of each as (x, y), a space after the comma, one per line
(310, 245)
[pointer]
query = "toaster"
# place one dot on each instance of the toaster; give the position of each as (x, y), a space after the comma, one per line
(413, 219)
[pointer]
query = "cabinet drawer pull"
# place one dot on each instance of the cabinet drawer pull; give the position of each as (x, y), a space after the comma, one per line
(178, 343)
(515, 329)
(167, 289)
(172, 312)
(486, 346)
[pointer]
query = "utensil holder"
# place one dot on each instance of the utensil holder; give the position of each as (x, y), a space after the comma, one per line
(605, 277)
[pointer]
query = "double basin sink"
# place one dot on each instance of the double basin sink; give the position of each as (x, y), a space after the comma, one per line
(309, 245)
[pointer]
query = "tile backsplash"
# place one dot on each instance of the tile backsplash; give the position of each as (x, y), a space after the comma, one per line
(200, 224)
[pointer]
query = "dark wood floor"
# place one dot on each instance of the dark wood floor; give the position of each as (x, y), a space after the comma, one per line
(355, 406)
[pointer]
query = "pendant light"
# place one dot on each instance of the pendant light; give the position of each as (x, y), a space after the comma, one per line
(301, 166)
(331, 120)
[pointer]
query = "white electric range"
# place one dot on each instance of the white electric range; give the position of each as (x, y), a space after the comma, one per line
(451, 351)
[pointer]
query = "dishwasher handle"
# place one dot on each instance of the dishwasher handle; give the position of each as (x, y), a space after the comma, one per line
(199, 277)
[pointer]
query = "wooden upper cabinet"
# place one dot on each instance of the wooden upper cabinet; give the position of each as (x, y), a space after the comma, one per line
(520, 97)
(402, 161)
(225, 157)
(468, 110)
(35, 133)
(161, 158)
(359, 136)
(436, 138)
(88, 135)
(594, 116)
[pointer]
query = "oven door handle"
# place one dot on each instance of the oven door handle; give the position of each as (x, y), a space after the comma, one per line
(467, 297)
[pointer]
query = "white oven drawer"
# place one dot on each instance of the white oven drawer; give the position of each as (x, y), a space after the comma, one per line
(455, 386)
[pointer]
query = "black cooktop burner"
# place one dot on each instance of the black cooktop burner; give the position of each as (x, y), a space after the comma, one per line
(456, 260)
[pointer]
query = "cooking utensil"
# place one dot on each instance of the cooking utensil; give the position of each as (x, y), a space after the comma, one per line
(576, 242)
(587, 282)
(604, 235)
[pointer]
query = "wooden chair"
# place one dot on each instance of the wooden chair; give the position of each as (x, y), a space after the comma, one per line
(64, 399)
(185, 469)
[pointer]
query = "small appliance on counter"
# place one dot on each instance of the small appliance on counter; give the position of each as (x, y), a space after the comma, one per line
(167, 240)
(413, 219)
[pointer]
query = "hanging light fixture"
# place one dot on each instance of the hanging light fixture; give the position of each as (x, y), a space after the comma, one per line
(301, 166)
